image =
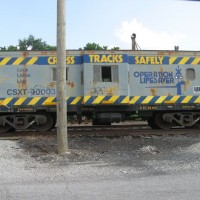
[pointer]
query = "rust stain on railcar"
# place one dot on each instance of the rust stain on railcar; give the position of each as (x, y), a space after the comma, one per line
(187, 83)
(22, 74)
(51, 85)
(22, 77)
(111, 91)
(154, 91)
(71, 84)
(103, 90)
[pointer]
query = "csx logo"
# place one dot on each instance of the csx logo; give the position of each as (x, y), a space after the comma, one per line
(70, 60)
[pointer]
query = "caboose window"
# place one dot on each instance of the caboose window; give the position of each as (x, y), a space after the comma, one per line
(115, 75)
(105, 74)
(54, 76)
(97, 74)
(190, 74)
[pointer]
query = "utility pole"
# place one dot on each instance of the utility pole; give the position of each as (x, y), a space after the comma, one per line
(62, 138)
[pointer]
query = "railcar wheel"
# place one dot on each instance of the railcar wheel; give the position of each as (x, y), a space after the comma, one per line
(5, 128)
(45, 123)
(195, 126)
(152, 123)
(162, 123)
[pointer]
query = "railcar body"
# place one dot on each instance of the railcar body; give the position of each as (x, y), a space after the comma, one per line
(161, 87)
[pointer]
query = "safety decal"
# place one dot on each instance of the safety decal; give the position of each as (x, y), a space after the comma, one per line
(156, 100)
(42, 60)
(184, 60)
(37, 101)
(18, 61)
(163, 60)
(101, 100)
(137, 100)
(101, 58)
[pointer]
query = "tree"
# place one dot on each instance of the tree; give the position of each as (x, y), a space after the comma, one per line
(3, 49)
(115, 48)
(95, 46)
(37, 44)
(31, 43)
(12, 48)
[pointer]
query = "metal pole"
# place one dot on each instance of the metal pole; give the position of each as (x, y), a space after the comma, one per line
(133, 36)
(61, 79)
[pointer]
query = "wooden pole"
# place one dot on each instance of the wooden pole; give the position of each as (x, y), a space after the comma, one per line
(61, 79)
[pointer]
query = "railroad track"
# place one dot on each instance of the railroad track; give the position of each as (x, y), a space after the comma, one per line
(141, 130)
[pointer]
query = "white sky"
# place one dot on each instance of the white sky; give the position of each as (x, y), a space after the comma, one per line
(158, 24)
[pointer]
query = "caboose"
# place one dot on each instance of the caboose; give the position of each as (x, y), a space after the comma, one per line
(161, 87)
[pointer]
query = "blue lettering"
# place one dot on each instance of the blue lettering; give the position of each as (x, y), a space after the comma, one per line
(136, 74)
(9, 92)
(154, 77)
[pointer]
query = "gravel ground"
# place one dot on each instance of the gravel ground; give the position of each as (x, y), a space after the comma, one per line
(126, 155)
(35, 158)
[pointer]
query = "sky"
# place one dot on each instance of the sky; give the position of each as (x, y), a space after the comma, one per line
(158, 24)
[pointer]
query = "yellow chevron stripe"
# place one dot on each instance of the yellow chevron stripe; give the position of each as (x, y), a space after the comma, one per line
(34, 101)
(76, 100)
(7, 101)
(147, 99)
(20, 101)
(172, 100)
(98, 99)
(161, 99)
(32, 61)
(184, 60)
(197, 100)
(49, 101)
(5, 61)
(111, 100)
(186, 99)
(195, 61)
(172, 59)
(133, 101)
(86, 98)
(18, 61)
(126, 100)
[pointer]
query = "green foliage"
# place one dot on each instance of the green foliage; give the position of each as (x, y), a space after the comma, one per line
(30, 43)
(37, 44)
(115, 48)
(95, 46)
(12, 48)
(3, 49)
(92, 46)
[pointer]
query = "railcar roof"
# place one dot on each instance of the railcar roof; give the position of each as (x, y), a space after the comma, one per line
(82, 52)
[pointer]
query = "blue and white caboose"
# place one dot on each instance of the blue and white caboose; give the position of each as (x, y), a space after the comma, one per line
(162, 87)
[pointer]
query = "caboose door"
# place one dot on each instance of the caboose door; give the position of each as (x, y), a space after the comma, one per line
(106, 84)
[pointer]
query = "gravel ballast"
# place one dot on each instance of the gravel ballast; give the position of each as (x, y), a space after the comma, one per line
(34, 159)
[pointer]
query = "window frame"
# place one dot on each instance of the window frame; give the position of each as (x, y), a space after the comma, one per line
(54, 75)
(190, 74)
(99, 77)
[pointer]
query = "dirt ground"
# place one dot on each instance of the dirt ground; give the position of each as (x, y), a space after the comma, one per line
(34, 160)
(130, 155)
